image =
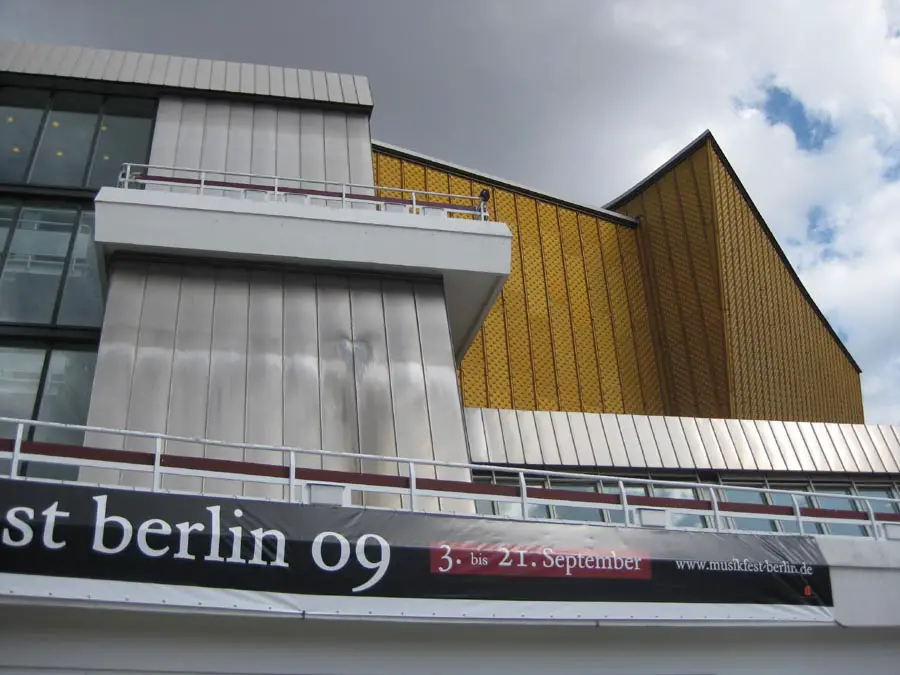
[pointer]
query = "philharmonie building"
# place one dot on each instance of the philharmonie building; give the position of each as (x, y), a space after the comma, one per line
(277, 398)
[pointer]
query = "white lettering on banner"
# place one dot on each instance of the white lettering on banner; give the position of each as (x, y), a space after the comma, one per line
(51, 513)
(26, 534)
(580, 561)
(113, 534)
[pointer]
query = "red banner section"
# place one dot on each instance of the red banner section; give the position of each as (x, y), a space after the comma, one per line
(537, 561)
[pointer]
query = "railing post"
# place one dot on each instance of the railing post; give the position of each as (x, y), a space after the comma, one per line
(523, 493)
(343, 195)
(292, 479)
(17, 450)
(157, 463)
(202, 181)
(413, 496)
(717, 516)
(876, 533)
(797, 512)
(623, 499)
(127, 176)
(414, 202)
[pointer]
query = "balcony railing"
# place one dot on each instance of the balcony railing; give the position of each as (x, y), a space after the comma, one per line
(303, 191)
(418, 485)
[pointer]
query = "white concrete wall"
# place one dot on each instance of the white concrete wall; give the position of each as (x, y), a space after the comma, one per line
(80, 640)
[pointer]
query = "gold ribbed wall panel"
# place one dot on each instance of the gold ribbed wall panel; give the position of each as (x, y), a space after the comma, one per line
(676, 237)
(571, 329)
(785, 363)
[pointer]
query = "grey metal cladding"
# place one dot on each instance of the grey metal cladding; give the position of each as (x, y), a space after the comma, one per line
(184, 73)
(559, 439)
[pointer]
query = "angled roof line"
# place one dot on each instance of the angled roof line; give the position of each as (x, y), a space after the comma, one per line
(692, 147)
(601, 212)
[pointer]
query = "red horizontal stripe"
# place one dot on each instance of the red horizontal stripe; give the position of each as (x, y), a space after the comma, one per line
(376, 480)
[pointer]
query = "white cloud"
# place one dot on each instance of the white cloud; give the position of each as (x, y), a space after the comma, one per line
(836, 57)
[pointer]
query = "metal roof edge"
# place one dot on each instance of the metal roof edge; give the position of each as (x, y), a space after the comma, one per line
(601, 212)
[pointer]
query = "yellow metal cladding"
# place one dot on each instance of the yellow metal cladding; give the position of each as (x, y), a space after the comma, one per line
(570, 330)
(785, 363)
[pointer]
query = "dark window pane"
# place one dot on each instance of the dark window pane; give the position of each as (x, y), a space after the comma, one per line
(20, 371)
(82, 300)
(877, 506)
(781, 499)
(124, 136)
(617, 515)
(21, 111)
(65, 398)
(577, 512)
(65, 145)
(680, 519)
(32, 271)
(838, 504)
(7, 216)
(747, 497)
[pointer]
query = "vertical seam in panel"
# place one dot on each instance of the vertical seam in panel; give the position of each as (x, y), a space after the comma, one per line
(390, 379)
(212, 338)
(590, 305)
(717, 226)
(650, 284)
(679, 303)
(137, 337)
(284, 282)
(549, 301)
(630, 319)
(414, 287)
(350, 179)
(315, 282)
(612, 318)
(565, 280)
(174, 340)
(349, 281)
(700, 304)
(534, 388)
(247, 359)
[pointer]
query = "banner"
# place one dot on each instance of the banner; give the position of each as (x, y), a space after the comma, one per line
(391, 563)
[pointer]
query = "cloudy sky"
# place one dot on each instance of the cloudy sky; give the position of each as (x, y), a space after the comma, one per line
(584, 98)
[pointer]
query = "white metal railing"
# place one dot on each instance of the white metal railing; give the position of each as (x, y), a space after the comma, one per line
(303, 190)
(418, 481)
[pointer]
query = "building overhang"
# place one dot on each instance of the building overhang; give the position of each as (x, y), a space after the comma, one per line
(472, 257)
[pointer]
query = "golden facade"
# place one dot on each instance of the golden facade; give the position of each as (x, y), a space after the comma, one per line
(693, 310)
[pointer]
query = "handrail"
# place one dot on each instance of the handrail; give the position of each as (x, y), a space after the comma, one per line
(160, 463)
(420, 200)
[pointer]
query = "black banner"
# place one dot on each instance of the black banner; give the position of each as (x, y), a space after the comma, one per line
(221, 543)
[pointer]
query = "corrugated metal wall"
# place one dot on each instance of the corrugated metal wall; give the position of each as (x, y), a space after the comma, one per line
(586, 440)
(785, 363)
(677, 235)
(570, 331)
(344, 363)
(196, 133)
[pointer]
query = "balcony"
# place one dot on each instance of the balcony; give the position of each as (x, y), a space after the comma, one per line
(258, 219)
(182, 465)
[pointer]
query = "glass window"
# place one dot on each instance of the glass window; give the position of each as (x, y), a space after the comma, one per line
(65, 145)
(577, 512)
(82, 300)
(618, 515)
(21, 112)
(33, 268)
(680, 519)
(877, 506)
(20, 373)
(7, 218)
(65, 398)
(747, 497)
(124, 136)
(838, 504)
(781, 499)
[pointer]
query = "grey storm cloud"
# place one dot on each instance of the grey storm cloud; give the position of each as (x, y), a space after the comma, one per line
(524, 89)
